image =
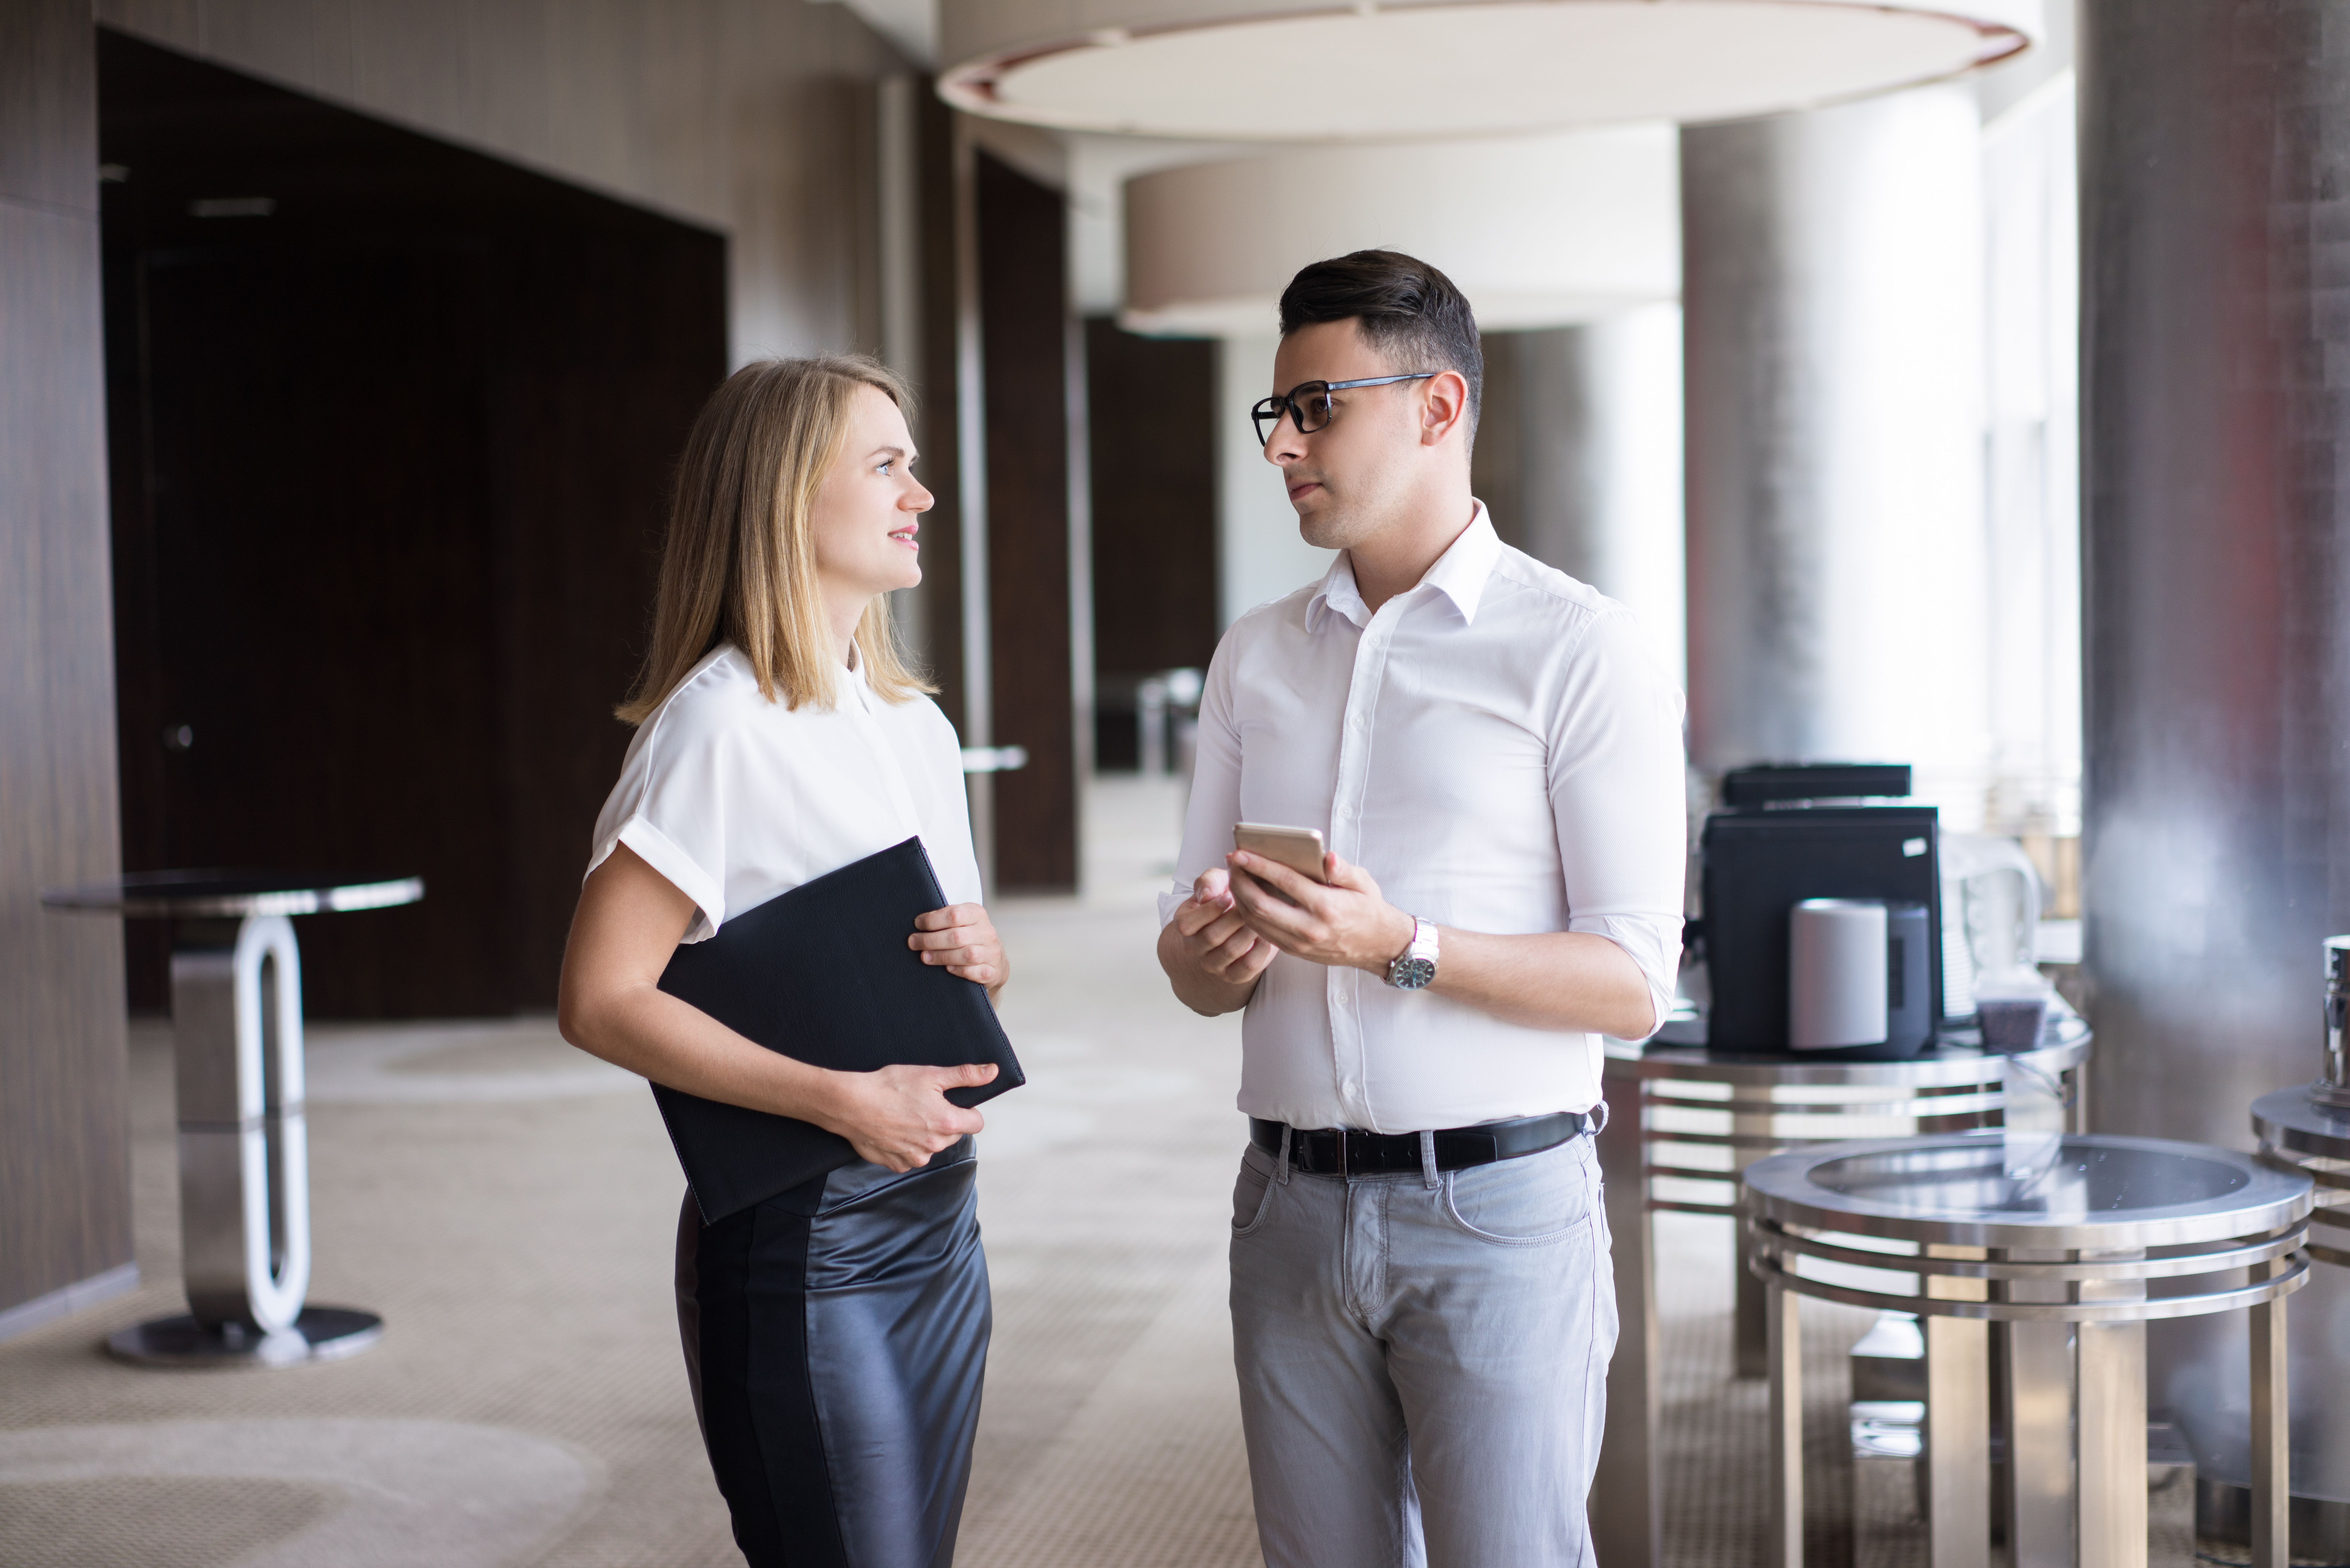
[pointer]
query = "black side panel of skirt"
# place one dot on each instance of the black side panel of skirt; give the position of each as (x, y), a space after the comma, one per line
(758, 1407)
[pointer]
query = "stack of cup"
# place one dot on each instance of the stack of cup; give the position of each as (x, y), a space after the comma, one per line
(2012, 1008)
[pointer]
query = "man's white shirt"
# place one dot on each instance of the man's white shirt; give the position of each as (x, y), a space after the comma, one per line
(1497, 748)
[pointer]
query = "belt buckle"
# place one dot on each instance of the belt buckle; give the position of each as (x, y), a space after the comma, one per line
(1345, 1166)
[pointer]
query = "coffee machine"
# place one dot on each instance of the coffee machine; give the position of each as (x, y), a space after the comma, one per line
(1821, 838)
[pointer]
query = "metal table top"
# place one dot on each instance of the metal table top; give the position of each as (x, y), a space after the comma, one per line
(2291, 1122)
(2063, 1046)
(2097, 1191)
(235, 893)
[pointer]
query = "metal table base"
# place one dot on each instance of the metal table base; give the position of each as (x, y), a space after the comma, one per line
(2061, 1257)
(316, 1333)
(2298, 1132)
(244, 1135)
(1684, 1124)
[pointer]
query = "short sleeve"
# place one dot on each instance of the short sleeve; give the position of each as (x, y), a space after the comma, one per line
(670, 808)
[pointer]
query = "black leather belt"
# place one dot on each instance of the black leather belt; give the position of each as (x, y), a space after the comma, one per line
(1332, 1151)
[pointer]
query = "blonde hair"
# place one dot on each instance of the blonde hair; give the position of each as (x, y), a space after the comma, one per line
(739, 563)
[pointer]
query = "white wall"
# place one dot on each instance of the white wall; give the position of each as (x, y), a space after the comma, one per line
(1259, 556)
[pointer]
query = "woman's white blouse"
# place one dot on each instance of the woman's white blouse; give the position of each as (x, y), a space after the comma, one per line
(736, 799)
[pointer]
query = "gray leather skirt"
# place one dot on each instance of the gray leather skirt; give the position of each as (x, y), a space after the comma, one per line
(835, 1336)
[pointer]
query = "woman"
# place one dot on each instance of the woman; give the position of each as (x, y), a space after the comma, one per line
(834, 1334)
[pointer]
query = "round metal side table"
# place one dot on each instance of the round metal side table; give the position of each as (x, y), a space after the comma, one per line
(2300, 1134)
(1684, 1123)
(244, 1152)
(2063, 1249)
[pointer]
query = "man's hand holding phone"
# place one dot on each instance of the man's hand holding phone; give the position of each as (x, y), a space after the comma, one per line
(1338, 919)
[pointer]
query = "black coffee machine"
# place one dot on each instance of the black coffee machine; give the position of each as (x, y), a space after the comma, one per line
(1788, 834)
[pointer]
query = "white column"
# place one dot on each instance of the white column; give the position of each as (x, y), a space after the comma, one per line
(1600, 437)
(1832, 265)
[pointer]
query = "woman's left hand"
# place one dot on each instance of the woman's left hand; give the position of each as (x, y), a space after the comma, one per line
(964, 938)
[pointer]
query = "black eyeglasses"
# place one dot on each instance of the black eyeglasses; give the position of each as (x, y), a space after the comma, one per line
(1308, 403)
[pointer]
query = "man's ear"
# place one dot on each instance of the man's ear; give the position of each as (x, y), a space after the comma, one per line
(1444, 406)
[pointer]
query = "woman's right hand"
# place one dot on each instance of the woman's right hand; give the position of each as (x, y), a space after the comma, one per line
(899, 1116)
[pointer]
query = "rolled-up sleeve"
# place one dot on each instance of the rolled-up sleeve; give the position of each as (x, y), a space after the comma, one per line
(1618, 795)
(669, 806)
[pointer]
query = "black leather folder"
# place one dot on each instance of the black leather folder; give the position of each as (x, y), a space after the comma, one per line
(823, 973)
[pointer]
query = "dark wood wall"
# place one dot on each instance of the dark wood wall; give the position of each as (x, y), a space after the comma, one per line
(65, 1166)
(389, 470)
(1153, 435)
(1025, 331)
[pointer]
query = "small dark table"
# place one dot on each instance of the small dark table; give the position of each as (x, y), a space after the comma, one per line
(245, 1160)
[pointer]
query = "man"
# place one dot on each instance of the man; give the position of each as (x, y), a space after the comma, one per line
(1422, 1307)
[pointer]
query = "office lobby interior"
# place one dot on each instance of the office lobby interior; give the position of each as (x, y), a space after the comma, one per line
(1953, 391)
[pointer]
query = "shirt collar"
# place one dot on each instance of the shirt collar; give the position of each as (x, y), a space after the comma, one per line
(1460, 575)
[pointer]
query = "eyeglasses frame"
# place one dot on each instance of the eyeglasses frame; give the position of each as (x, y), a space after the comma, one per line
(1282, 405)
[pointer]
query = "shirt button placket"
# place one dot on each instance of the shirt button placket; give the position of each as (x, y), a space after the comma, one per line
(1346, 841)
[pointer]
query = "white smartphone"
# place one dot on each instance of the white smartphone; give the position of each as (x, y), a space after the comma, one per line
(1299, 849)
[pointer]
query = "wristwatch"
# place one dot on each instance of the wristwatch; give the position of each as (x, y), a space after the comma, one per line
(1417, 966)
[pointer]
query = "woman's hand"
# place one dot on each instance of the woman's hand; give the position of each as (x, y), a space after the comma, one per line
(899, 1116)
(962, 938)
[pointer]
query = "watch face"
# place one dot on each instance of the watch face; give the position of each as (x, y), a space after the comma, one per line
(1411, 974)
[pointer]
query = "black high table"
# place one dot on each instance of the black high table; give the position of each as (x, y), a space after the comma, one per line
(244, 1153)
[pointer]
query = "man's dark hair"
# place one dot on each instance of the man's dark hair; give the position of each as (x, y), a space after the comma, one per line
(1409, 312)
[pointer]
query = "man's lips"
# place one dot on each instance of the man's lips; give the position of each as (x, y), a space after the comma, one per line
(1298, 490)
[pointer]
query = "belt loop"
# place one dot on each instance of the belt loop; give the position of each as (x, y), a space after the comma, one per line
(1287, 1132)
(1597, 1119)
(1428, 1174)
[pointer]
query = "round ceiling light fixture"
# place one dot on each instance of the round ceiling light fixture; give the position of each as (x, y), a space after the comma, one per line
(1269, 70)
(1544, 230)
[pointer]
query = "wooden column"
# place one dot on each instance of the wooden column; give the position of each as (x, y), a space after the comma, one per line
(65, 1160)
(1027, 375)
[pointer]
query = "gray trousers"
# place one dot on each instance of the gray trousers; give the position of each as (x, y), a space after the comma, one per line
(1423, 1360)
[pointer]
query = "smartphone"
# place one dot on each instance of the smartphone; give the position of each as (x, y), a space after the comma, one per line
(1299, 849)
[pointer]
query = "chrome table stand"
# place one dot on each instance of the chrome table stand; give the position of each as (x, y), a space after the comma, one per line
(1683, 1124)
(2300, 1131)
(2298, 1134)
(244, 1153)
(2063, 1248)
